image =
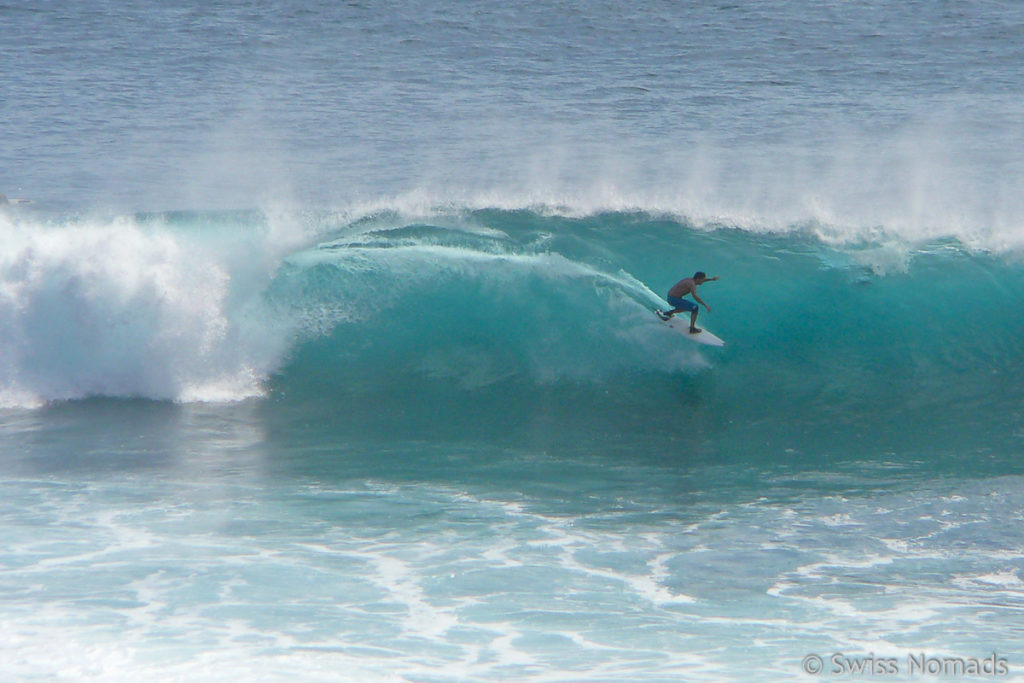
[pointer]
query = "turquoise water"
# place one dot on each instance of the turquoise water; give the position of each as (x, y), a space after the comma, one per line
(327, 347)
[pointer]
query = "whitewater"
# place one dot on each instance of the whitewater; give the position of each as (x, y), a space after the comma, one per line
(327, 345)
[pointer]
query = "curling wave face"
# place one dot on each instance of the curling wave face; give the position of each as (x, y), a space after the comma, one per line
(511, 315)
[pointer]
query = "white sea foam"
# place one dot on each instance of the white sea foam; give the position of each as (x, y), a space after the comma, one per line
(456, 585)
(115, 308)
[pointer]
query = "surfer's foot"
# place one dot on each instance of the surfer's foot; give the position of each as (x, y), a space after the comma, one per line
(695, 330)
(663, 315)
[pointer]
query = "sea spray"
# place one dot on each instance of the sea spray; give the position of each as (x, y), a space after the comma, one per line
(133, 308)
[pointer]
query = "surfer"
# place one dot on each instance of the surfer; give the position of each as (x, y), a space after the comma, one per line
(688, 285)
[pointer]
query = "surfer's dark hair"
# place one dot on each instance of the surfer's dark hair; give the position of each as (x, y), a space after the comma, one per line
(699, 274)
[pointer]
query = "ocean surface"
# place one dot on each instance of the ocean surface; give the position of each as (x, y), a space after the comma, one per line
(327, 348)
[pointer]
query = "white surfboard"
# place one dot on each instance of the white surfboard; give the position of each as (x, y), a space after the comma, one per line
(681, 324)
